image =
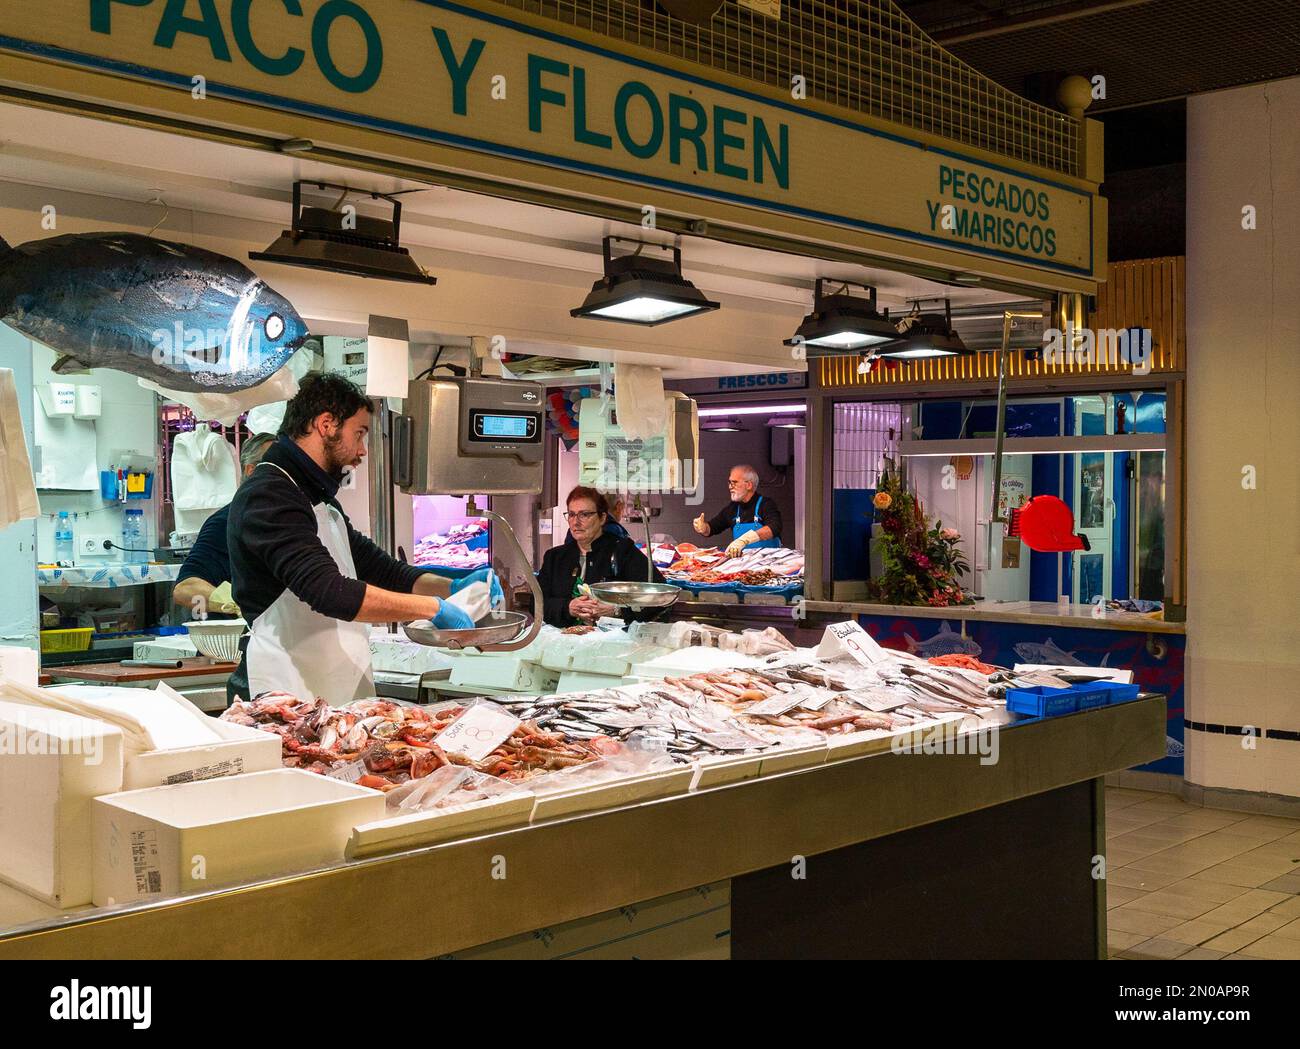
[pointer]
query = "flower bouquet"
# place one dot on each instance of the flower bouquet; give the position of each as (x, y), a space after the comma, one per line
(922, 563)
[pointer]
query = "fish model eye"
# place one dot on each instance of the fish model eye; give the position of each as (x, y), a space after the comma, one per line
(274, 326)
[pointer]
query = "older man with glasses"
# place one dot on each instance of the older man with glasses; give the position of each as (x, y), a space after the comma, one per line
(748, 520)
(594, 556)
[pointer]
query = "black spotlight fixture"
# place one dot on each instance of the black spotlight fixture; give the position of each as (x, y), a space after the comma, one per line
(926, 335)
(639, 289)
(842, 323)
(339, 240)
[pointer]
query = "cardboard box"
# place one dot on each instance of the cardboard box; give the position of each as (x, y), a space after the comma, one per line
(51, 765)
(190, 837)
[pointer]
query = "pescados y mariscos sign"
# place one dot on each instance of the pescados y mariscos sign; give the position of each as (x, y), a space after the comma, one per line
(491, 84)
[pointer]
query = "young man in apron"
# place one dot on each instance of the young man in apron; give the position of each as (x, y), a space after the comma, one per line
(307, 582)
(748, 520)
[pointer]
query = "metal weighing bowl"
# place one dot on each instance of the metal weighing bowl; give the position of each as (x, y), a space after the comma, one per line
(498, 628)
(636, 595)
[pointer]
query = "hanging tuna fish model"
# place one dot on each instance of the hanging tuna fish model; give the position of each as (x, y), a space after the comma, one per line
(186, 318)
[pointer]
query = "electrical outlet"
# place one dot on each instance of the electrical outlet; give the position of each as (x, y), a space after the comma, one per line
(95, 544)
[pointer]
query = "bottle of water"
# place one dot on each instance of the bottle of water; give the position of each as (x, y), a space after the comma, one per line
(134, 538)
(64, 548)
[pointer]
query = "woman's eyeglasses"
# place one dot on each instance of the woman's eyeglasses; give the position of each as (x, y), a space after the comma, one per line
(582, 515)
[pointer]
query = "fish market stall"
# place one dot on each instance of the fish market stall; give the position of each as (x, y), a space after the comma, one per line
(771, 572)
(715, 762)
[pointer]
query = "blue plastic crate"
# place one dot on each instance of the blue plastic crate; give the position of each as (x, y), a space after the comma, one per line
(1114, 692)
(1042, 701)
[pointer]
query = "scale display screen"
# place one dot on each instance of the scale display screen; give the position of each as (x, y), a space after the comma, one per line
(503, 426)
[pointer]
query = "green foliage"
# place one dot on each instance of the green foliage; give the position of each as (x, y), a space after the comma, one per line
(922, 564)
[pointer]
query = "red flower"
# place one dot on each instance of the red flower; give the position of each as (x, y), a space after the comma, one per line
(922, 561)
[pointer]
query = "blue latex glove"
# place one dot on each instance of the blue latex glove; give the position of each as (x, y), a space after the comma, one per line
(450, 617)
(496, 596)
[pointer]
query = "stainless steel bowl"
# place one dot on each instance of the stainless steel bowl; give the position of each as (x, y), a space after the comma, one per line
(492, 629)
(636, 595)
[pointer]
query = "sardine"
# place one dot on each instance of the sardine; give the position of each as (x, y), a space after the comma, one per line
(184, 317)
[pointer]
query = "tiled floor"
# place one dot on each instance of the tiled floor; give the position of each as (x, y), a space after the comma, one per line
(1189, 883)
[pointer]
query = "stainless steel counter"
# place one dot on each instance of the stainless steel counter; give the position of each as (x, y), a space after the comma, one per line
(429, 901)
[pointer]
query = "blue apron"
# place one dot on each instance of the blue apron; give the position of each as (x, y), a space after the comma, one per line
(738, 529)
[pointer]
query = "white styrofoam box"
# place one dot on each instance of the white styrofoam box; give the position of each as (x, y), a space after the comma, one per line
(411, 830)
(189, 837)
(1116, 674)
(557, 800)
(51, 765)
(391, 653)
(173, 646)
(686, 661)
(574, 681)
(558, 653)
(232, 749)
(502, 671)
(20, 664)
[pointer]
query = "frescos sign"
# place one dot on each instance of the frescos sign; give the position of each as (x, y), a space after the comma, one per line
(488, 83)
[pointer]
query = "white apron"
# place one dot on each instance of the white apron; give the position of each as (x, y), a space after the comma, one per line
(293, 649)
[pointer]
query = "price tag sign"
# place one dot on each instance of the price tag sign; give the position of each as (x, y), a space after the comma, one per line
(877, 701)
(349, 773)
(775, 706)
(732, 741)
(477, 732)
(850, 639)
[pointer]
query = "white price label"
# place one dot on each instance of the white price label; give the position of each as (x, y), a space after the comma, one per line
(732, 741)
(850, 639)
(775, 706)
(877, 701)
(349, 773)
(477, 732)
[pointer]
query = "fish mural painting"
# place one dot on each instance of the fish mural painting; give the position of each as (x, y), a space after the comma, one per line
(186, 318)
(945, 642)
(1049, 653)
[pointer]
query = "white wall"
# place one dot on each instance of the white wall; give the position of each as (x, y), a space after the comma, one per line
(18, 619)
(129, 421)
(1243, 331)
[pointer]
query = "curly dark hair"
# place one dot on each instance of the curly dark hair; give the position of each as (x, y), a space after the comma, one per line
(324, 392)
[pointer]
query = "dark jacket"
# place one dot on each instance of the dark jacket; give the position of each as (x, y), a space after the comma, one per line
(273, 547)
(612, 558)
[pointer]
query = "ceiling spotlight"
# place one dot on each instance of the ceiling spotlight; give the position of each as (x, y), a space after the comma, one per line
(639, 289)
(926, 335)
(339, 240)
(722, 426)
(841, 323)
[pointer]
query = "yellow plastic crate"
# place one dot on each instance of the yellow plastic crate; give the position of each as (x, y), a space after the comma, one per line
(75, 640)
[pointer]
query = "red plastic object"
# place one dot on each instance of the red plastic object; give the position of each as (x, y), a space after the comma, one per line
(1047, 526)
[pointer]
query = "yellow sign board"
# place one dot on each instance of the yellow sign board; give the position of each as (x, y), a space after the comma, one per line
(496, 86)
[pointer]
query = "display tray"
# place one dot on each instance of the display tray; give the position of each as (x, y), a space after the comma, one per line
(562, 801)
(784, 590)
(412, 830)
(718, 770)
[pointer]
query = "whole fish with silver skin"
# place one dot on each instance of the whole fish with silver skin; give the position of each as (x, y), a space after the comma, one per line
(186, 318)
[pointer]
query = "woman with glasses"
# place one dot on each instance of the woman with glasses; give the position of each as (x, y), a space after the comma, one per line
(592, 556)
